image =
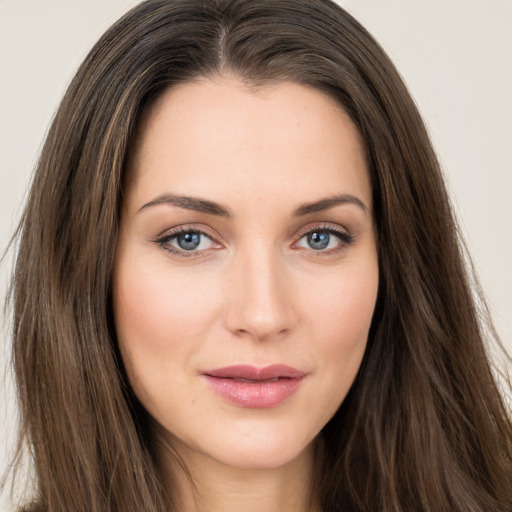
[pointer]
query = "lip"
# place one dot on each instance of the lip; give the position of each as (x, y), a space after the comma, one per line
(252, 387)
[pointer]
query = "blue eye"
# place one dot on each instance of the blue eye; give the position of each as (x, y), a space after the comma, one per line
(319, 240)
(189, 241)
(186, 241)
(325, 240)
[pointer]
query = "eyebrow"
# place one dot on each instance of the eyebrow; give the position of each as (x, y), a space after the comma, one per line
(191, 203)
(328, 203)
(205, 206)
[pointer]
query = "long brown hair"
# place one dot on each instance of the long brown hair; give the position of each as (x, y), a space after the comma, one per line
(423, 428)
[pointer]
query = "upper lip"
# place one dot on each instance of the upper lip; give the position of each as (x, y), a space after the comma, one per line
(249, 372)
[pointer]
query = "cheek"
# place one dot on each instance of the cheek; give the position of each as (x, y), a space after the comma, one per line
(157, 305)
(161, 321)
(340, 321)
(344, 306)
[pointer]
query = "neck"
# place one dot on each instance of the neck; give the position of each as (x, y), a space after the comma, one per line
(203, 484)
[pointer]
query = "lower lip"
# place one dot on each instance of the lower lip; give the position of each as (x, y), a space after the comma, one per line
(254, 394)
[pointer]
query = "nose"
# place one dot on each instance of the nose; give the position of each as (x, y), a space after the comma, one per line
(259, 299)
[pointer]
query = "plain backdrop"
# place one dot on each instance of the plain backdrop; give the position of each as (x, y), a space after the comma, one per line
(453, 54)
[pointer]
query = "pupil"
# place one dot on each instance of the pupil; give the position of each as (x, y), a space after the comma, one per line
(189, 241)
(318, 240)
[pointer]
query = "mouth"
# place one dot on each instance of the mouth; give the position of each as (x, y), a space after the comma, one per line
(257, 388)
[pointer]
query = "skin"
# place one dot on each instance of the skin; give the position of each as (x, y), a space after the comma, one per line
(254, 292)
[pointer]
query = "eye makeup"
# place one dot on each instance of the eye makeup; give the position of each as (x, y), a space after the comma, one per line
(195, 242)
(188, 241)
(319, 239)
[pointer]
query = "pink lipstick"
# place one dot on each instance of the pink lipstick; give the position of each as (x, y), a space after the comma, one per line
(257, 388)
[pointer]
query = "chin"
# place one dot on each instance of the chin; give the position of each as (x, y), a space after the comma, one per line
(267, 455)
(246, 445)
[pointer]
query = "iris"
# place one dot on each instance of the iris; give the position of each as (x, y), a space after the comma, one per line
(318, 240)
(189, 241)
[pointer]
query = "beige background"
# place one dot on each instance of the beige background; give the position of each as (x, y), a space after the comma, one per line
(454, 55)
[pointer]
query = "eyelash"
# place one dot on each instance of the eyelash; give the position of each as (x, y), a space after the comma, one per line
(164, 240)
(345, 238)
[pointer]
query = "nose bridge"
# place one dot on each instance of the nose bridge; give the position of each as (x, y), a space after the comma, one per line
(259, 304)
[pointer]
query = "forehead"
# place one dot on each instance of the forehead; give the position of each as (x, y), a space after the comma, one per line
(221, 137)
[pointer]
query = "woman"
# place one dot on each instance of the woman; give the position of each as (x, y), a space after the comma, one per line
(239, 283)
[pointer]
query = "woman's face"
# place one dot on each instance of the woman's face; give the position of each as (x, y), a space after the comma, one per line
(246, 272)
